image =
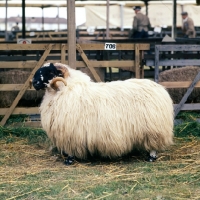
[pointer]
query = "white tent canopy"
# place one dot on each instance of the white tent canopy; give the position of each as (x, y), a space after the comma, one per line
(159, 14)
(95, 16)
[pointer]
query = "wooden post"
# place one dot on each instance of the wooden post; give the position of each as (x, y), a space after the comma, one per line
(26, 85)
(137, 61)
(142, 64)
(63, 53)
(71, 27)
(156, 70)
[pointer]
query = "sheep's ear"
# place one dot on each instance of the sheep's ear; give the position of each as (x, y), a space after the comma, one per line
(61, 67)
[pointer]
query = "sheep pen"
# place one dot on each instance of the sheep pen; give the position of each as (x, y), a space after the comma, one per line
(109, 119)
(187, 73)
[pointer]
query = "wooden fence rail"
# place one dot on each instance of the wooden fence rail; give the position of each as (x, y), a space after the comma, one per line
(81, 35)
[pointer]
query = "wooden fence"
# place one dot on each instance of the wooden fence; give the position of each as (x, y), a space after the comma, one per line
(179, 55)
(80, 34)
(33, 56)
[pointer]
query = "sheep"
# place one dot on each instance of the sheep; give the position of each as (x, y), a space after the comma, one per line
(110, 119)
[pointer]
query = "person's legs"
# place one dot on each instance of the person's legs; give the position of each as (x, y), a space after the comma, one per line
(144, 34)
(137, 34)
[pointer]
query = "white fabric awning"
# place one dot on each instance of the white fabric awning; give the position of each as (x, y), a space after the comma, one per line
(96, 16)
(160, 15)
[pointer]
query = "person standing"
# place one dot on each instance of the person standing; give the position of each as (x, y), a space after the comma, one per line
(14, 31)
(188, 26)
(141, 24)
(15, 28)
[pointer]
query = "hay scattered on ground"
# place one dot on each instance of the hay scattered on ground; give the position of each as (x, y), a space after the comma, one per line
(31, 171)
(20, 163)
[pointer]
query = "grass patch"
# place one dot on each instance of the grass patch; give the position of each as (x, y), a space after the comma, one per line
(15, 118)
(187, 129)
(188, 115)
(29, 170)
(190, 126)
(31, 136)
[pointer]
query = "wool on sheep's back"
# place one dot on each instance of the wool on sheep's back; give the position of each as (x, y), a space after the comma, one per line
(108, 118)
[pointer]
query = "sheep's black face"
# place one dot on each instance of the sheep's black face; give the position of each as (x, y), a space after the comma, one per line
(44, 75)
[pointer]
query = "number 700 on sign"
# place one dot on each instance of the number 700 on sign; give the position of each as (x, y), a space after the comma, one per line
(110, 46)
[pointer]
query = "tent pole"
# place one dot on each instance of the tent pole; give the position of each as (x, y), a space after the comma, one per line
(42, 18)
(122, 16)
(146, 5)
(182, 9)
(107, 20)
(71, 33)
(58, 18)
(23, 20)
(174, 20)
(6, 21)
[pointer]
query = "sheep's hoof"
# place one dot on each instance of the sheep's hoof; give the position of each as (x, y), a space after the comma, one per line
(69, 160)
(151, 159)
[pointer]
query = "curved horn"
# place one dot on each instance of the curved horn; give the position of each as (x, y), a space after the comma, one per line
(53, 82)
(62, 68)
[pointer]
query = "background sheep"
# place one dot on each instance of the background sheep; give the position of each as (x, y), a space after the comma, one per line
(109, 119)
(181, 74)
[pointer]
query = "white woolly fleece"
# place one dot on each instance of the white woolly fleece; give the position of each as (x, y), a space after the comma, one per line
(107, 118)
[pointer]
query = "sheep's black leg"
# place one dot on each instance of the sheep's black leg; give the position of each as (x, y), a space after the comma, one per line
(152, 156)
(64, 154)
(69, 160)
